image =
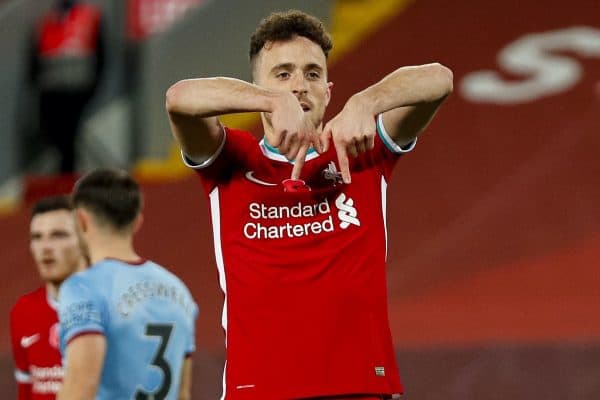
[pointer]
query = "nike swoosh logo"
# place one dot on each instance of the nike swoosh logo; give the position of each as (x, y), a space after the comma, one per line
(27, 341)
(245, 386)
(251, 178)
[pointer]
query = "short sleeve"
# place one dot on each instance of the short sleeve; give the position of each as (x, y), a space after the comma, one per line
(80, 311)
(388, 150)
(197, 165)
(218, 169)
(389, 142)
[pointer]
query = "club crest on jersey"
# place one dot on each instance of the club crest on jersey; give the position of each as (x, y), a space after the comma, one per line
(331, 173)
(53, 336)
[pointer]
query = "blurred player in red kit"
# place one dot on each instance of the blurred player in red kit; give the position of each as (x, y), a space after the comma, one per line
(298, 217)
(65, 67)
(33, 319)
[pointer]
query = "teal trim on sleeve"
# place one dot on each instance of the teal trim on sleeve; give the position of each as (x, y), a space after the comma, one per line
(389, 143)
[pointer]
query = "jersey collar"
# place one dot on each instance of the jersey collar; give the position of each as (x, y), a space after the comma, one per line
(52, 302)
(274, 154)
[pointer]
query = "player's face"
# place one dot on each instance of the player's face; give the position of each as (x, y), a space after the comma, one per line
(54, 245)
(297, 65)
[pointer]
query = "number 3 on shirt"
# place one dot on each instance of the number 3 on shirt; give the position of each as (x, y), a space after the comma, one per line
(164, 332)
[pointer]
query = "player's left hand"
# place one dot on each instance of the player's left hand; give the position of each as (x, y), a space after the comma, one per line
(352, 132)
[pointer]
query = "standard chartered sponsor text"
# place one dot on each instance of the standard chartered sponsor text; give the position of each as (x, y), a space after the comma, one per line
(321, 212)
(44, 387)
(46, 379)
(55, 372)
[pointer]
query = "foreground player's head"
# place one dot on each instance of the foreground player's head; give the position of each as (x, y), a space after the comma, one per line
(107, 202)
(285, 26)
(288, 52)
(53, 240)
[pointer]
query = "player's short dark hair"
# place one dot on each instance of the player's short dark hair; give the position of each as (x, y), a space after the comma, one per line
(51, 203)
(111, 195)
(281, 26)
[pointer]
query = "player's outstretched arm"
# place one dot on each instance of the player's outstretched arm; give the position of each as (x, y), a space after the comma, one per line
(84, 360)
(185, 386)
(193, 106)
(407, 99)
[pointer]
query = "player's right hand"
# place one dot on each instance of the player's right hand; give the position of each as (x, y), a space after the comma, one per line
(292, 130)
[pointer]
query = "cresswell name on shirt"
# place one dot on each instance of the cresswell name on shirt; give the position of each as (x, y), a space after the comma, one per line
(278, 222)
(153, 290)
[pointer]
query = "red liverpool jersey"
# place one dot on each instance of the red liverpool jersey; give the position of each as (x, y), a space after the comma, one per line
(34, 337)
(303, 272)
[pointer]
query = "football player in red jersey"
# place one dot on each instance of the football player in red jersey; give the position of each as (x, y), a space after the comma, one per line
(33, 319)
(299, 217)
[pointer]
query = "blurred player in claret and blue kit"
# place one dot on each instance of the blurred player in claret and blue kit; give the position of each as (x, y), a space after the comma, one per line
(33, 319)
(127, 325)
(298, 216)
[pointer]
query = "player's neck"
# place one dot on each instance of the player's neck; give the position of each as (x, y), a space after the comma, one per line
(52, 290)
(119, 247)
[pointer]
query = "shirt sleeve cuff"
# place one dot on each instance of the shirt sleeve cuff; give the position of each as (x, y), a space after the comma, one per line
(199, 164)
(389, 142)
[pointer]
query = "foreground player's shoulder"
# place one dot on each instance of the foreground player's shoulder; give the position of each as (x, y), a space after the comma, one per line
(240, 139)
(239, 134)
(78, 278)
(81, 307)
(80, 286)
(97, 275)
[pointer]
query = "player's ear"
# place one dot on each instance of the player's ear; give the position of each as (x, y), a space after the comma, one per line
(81, 219)
(329, 87)
(137, 224)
